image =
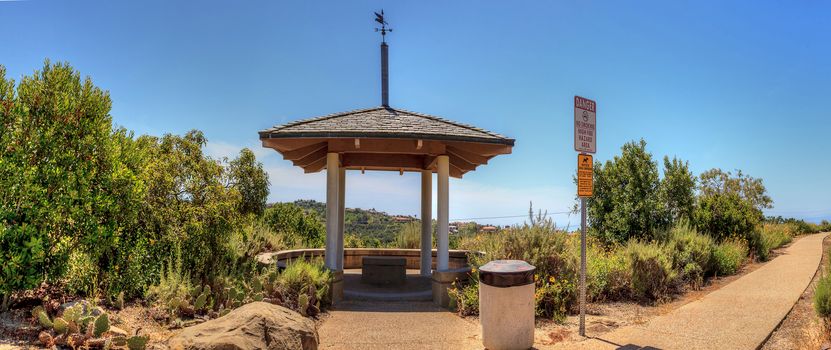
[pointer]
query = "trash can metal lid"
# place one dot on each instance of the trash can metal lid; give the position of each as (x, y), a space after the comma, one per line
(507, 273)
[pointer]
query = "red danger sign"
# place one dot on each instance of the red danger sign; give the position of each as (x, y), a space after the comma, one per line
(585, 125)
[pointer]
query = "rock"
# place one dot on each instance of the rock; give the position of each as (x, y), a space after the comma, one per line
(266, 258)
(257, 325)
(85, 305)
(118, 331)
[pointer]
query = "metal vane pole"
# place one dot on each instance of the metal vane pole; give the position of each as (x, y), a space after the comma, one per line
(379, 17)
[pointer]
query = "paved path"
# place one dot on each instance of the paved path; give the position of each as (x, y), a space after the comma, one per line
(396, 325)
(740, 315)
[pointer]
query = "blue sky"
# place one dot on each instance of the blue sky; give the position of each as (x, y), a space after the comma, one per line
(736, 85)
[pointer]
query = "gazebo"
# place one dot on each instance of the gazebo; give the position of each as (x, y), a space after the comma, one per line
(387, 139)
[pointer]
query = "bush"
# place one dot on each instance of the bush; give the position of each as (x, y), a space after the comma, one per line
(726, 215)
(822, 297)
(409, 237)
(627, 196)
(652, 274)
(608, 275)
(554, 297)
(554, 253)
(465, 297)
(293, 222)
(174, 286)
(300, 274)
(728, 257)
(692, 253)
(81, 275)
(768, 237)
(822, 293)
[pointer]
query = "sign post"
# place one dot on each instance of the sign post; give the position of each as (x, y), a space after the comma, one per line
(585, 141)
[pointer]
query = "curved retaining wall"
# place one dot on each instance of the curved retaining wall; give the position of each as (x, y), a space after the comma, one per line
(352, 257)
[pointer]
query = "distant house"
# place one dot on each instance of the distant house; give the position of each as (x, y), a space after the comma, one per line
(453, 228)
(402, 218)
(488, 229)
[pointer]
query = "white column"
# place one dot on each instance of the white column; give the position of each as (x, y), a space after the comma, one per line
(443, 254)
(332, 173)
(426, 222)
(341, 209)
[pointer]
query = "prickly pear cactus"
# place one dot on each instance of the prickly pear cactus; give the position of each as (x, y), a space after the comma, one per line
(72, 314)
(119, 340)
(303, 304)
(60, 325)
(102, 324)
(256, 285)
(44, 320)
(137, 342)
(200, 302)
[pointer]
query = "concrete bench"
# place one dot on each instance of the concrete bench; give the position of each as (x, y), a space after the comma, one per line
(388, 270)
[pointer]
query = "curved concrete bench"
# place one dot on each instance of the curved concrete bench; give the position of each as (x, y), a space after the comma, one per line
(352, 256)
(458, 268)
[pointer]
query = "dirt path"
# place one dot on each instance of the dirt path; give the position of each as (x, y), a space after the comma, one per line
(740, 315)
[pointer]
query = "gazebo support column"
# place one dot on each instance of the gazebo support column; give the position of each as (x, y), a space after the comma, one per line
(443, 239)
(442, 277)
(426, 222)
(341, 212)
(332, 224)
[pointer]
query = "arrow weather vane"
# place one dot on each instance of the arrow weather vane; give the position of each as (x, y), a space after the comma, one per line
(379, 17)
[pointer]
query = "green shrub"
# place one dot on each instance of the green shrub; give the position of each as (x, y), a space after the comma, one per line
(822, 297)
(554, 253)
(627, 199)
(409, 237)
(22, 252)
(81, 275)
(555, 297)
(300, 274)
(728, 257)
(726, 215)
(768, 237)
(652, 274)
(465, 297)
(174, 287)
(692, 253)
(608, 275)
(292, 221)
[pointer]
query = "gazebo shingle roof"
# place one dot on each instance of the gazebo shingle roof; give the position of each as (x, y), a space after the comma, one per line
(384, 122)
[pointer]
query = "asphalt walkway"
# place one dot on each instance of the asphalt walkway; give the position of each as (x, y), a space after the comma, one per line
(740, 315)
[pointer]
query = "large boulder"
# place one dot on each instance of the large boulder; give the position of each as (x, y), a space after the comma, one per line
(256, 325)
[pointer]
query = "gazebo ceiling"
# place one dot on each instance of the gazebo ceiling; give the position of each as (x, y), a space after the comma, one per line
(385, 138)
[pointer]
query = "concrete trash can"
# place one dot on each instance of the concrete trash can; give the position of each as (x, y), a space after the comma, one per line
(506, 304)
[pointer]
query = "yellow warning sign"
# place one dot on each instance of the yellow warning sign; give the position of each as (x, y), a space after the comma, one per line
(585, 183)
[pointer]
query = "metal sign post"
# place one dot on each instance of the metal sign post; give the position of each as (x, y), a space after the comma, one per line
(585, 140)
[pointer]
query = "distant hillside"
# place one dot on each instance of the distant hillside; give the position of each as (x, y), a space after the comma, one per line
(366, 223)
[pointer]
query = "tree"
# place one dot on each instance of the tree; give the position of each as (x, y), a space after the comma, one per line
(717, 181)
(249, 178)
(626, 202)
(295, 223)
(728, 205)
(62, 187)
(187, 204)
(677, 190)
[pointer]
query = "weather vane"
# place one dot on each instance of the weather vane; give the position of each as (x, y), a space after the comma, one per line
(379, 17)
